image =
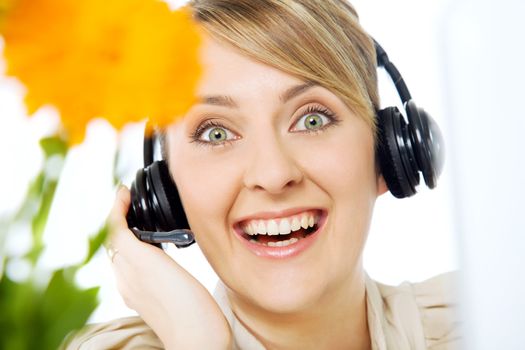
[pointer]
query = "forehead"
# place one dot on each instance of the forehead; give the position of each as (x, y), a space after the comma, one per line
(228, 72)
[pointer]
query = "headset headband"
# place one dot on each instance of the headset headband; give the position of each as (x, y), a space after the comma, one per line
(384, 61)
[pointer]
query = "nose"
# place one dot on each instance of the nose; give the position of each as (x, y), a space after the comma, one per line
(272, 167)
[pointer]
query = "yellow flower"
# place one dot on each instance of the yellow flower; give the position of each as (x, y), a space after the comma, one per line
(5, 5)
(122, 60)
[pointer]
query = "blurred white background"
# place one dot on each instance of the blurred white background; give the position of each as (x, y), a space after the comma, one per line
(460, 60)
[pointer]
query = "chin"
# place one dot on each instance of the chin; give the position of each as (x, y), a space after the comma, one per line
(286, 305)
(285, 293)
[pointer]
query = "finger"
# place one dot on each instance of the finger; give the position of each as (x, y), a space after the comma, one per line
(119, 236)
(117, 216)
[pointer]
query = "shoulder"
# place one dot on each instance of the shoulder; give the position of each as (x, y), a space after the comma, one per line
(123, 333)
(436, 302)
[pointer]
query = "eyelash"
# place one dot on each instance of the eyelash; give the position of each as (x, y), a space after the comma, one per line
(312, 109)
(196, 135)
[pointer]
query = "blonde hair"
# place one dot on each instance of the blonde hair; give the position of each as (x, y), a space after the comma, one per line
(319, 41)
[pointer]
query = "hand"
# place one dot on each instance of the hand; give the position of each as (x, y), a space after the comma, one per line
(172, 302)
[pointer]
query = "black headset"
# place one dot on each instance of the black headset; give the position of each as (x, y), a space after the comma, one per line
(403, 149)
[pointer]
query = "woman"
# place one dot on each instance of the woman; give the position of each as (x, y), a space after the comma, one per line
(277, 172)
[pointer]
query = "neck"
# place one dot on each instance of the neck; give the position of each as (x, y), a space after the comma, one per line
(337, 320)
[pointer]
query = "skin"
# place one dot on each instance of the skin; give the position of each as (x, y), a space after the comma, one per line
(269, 163)
(161, 291)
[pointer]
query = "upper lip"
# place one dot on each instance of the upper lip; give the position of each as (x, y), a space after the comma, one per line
(267, 215)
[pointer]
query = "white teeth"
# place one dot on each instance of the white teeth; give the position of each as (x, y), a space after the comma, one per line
(296, 224)
(247, 229)
(280, 243)
(260, 228)
(304, 221)
(273, 229)
(284, 227)
(250, 229)
(311, 221)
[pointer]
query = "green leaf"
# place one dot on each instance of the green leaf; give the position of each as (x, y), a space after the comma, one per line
(35, 315)
(32, 199)
(4, 228)
(40, 317)
(39, 221)
(54, 145)
(116, 160)
(95, 242)
(18, 304)
(64, 308)
(39, 186)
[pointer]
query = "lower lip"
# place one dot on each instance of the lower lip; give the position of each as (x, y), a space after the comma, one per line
(288, 251)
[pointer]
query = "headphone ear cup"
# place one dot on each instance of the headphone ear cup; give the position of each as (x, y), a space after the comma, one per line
(139, 214)
(169, 212)
(394, 151)
(428, 143)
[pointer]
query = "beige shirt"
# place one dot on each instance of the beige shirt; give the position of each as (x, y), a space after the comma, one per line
(409, 316)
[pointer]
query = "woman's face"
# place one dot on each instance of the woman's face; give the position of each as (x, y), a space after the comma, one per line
(262, 151)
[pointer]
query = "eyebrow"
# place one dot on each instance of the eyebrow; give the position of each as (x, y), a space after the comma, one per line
(227, 101)
(219, 100)
(295, 91)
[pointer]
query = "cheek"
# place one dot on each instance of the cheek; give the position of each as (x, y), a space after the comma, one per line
(343, 166)
(204, 184)
(207, 189)
(344, 169)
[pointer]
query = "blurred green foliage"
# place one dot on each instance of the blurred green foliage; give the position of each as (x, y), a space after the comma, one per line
(40, 310)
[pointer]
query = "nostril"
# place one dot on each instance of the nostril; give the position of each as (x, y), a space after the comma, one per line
(273, 170)
(276, 184)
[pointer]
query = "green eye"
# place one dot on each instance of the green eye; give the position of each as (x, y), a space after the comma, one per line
(217, 135)
(212, 133)
(313, 121)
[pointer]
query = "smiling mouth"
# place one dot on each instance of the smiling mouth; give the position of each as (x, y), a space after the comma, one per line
(281, 232)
